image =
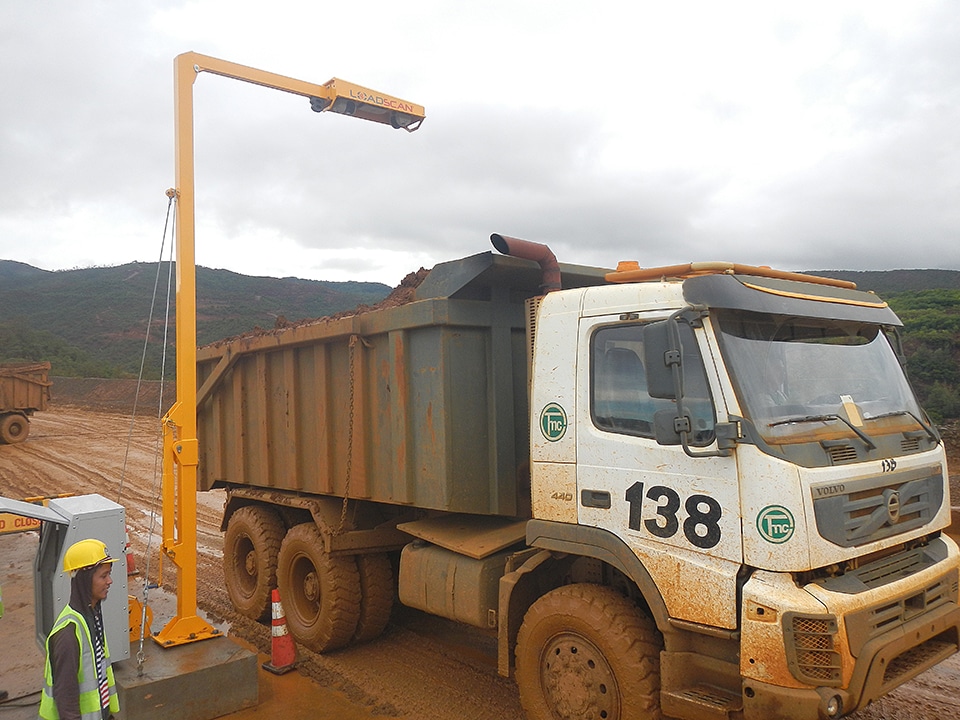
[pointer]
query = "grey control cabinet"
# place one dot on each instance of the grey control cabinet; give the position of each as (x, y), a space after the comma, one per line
(77, 518)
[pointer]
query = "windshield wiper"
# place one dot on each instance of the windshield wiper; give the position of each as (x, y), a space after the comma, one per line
(893, 413)
(824, 418)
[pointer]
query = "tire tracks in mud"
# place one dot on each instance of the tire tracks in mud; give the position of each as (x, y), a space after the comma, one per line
(405, 673)
(421, 668)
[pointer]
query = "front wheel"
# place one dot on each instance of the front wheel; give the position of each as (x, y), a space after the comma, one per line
(585, 651)
(320, 593)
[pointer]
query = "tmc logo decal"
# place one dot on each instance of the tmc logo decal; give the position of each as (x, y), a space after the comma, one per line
(553, 422)
(775, 523)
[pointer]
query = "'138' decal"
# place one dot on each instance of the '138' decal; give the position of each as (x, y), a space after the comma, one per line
(701, 528)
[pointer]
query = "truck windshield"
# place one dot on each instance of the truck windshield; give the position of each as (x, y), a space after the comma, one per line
(801, 376)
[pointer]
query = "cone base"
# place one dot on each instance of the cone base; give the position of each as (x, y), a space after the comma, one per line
(270, 667)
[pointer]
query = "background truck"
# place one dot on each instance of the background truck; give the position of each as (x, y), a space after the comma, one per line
(705, 491)
(24, 389)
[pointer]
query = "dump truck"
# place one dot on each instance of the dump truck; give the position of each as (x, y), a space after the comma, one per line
(24, 389)
(698, 491)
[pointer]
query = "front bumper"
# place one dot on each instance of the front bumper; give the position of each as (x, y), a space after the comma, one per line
(885, 661)
(834, 645)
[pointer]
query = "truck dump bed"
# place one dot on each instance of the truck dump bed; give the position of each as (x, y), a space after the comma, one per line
(24, 387)
(424, 404)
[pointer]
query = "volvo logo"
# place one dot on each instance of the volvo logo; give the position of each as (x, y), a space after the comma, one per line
(893, 505)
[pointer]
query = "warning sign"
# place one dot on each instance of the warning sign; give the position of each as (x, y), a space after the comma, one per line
(11, 523)
(17, 523)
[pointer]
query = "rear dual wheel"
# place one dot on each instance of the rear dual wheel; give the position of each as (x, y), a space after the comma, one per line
(251, 546)
(320, 592)
(376, 595)
(328, 601)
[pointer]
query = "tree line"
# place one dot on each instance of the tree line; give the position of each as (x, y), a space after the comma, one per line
(931, 343)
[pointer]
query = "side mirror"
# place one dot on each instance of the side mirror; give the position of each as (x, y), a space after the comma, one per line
(658, 352)
(665, 427)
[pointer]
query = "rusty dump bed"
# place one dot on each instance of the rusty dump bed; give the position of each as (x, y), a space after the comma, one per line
(424, 404)
(24, 387)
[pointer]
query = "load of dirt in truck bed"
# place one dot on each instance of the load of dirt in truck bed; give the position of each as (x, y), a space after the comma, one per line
(400, 295)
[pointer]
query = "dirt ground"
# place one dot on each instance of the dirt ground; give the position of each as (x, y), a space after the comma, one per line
(421, 668)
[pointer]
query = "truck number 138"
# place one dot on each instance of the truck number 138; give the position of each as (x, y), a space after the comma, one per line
(701, 527)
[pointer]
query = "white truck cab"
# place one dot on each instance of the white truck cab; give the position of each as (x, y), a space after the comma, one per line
(745, 447)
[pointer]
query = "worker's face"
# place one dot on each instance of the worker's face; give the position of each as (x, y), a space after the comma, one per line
(101, 583)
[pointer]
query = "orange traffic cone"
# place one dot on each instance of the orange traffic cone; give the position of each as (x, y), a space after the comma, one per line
(284, 652)
(131, 562)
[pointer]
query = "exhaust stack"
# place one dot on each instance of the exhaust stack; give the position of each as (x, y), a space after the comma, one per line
(531, 251)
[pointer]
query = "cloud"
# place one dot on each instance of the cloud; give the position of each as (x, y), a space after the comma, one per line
(808, 136)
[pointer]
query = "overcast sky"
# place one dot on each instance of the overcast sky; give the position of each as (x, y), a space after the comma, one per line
(813, 135)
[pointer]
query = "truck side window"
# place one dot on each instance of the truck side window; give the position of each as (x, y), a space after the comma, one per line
(618, 393)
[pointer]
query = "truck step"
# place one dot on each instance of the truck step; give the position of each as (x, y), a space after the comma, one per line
(700, 701)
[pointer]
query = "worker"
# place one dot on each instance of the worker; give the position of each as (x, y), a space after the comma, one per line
(78, 679)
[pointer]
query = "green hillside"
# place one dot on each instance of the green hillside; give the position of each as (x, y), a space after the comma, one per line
(888, 282)
(92, 322)
(928, 303)
(931, 340)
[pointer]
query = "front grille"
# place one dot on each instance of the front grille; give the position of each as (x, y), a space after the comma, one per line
(840, 454)
(893, 568)
(878, 507)
(884, 567)
(910, 445)
(868, 624)
(811, 648)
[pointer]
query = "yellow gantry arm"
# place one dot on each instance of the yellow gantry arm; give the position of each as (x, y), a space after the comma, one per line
(180, 447)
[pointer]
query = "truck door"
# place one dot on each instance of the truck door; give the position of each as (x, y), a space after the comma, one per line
(679, 514)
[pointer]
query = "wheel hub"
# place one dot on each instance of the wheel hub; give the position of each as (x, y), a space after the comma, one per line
(311, 587)
(577, 680)
(250, 563)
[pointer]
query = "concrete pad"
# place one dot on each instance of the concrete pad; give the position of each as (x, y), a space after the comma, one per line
(197, 681)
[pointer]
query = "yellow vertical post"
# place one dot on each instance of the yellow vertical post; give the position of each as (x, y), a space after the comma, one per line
(180, 446)
(180, 424)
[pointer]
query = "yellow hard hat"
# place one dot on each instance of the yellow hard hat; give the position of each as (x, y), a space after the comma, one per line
(86, 553)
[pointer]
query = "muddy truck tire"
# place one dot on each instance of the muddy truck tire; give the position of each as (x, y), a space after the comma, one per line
(320, 593)
(251, 546)
(14, 428)
(376, 596)
(586, 651)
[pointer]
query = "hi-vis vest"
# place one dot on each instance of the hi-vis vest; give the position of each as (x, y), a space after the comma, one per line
(86, 673)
